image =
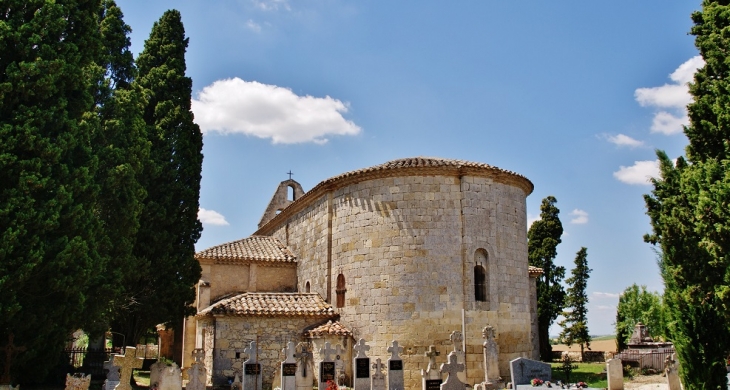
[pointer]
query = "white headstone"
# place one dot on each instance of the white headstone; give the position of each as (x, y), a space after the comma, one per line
(77, 382)
(395, 367)
(524, 370)
(252, 375)
(452, 369)
(615, 374)
(289, 368)
(165, 376)
(112, 375)
(327, 365)
(431, 376)
(361, 365)
(378, 379)
(197, 373)
(305, 367)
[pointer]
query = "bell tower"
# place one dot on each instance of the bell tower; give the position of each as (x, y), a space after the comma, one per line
(287, 192)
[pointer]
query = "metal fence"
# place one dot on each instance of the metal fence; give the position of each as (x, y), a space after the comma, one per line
(91, 360)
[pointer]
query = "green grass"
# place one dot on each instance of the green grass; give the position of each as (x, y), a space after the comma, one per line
(607, 337)
(142, 378)
(590, 373)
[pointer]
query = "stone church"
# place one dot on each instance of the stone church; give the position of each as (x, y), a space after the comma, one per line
(409, 250)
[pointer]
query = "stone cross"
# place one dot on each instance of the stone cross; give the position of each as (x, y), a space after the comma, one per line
(253, 352)
(458, 340)
(431, 354)
(10, 350)
(304, 356)
(361, 348)
(378, 378)
(127, 363)
(326, 352)
(112, 370)
(453, 369)
(395, 350)
(289, 352)
(198, 355)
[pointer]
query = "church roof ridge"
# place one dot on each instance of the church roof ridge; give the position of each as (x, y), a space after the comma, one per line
(408, 166)
(271, 304)
(252, 248)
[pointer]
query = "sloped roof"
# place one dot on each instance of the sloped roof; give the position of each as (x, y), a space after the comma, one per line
(253, 248)
(329, 329)
(534, 271)
(271, 304)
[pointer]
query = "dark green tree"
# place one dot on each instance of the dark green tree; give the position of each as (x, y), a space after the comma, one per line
(164, 286)
(542, 242)
(690, 217)
(48, 221)
(635, 305)
(575, 323)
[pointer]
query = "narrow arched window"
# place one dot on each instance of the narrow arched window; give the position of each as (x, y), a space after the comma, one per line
(480, 275)
(307, 287)
(340, 290)
(291, 195)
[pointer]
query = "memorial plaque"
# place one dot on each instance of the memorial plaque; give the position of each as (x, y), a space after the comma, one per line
(252, 369)
(433, 384)
(327, 372)
(288, 369)
(362, 368)
(395, 365)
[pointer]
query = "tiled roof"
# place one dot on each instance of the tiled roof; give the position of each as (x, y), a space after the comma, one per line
(534, 271)
(271, 304)
(329, 329)
(253, 248)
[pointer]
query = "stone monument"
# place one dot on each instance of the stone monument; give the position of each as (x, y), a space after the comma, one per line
(492, 380)
(361, 365)
(327, 365)
(452, 369)
(458, 340)
(165, 376)
(126, 363)
(524, 370)
(252, 378)
(378, 379)
(672, 371)
(339, 365)
(197, 373)
(431, 376)
(78, 381)
(395, 367)
(289, 368)
(305, 367)
(112, 375)
(615, 374)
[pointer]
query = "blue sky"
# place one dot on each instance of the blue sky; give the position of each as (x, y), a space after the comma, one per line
(574, 95)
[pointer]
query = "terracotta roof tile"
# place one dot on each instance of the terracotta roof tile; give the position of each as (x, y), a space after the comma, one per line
(253, 248)
(329, 329)
(534, 271)
(271, 304)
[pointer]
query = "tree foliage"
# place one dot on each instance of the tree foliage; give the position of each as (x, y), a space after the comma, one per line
(575, 324)
(162, 289)
(543, 239)
(636, 304)
(690, 216)
(48, 224)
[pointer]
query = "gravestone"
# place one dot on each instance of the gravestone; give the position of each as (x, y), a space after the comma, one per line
(197, 373)
(10, 350)
(126, 363)
(458, 340)
(305, 367)
(524, 370)
(289, 368)
(672, 371)
(236, 384)
(78, 382)
(327, 365)
(492, 380)
(395, 367)
(112, 375)
(362, 367)
(431, 376)
(378, 379)
(165, 376)
(252, 378)
(339, 365)
(615, 374)
(452, 370)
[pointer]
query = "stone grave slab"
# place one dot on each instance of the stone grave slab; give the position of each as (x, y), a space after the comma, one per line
(458, 340)
(197, 373)
(362, 380)
(166, 376)
(672, 372)
(452, 369)
(327, 365)
(524, 370)
(252, 376)
(615, 374)
(431, 376)
(395, 367)
(289, 367)
(112, 375)
(305, 366)
(378, 378)
(126, 363)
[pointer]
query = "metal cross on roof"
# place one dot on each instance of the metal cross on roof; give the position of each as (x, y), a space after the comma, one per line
(289, 173)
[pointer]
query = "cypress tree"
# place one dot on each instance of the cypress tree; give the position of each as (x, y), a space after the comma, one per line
(575, 324)
(689, 213)
(48, 223)
(542, 242)
(164, 285)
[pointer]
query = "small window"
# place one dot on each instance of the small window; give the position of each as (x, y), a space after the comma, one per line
(340, 290)
(290, 192)
(480, 285)
(307, 287)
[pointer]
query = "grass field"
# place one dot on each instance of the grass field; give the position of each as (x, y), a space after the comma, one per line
(590, 373)
(605, 344)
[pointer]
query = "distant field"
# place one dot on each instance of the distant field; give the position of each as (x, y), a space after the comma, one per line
(603, 343)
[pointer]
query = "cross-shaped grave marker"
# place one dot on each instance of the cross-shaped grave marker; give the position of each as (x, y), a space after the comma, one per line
(289, 352)
(361, 347)
(431, 354)
(395, 350)
(127, 363)
(378, 366)
(10, 350)
(253, 352)
(457, 339)
(304, 355)
(452, 368)
(326, 352)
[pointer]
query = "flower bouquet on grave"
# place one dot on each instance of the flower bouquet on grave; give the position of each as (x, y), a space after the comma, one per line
(536, 382)
(581, 385)
(331, 385)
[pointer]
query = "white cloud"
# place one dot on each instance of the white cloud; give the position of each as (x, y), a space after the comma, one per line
(272, 5)
(639, 173)
(269, 111)
(670, 99)
(580, 217)
(605, 294)
(211, 217)
(606, 307)
(253, 26)
(624, 140)
(531, 218)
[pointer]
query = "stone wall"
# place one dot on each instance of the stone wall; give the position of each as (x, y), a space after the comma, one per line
(406, 249)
